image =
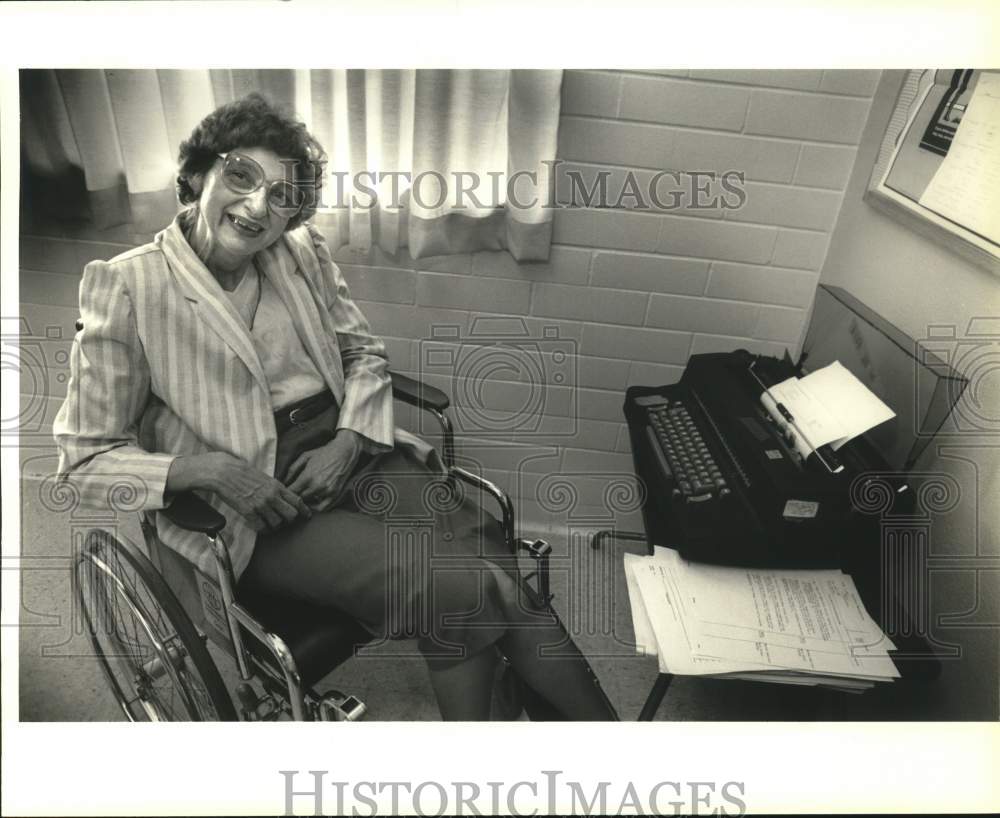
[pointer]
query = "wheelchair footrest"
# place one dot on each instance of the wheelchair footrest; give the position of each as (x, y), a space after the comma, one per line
(337, 706)
(540, 551)
(537, 549)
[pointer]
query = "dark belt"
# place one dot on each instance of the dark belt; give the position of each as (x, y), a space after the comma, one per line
(298, 413)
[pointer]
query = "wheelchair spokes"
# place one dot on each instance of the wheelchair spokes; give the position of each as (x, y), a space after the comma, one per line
(156, 672)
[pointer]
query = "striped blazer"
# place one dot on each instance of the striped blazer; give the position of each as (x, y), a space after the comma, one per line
(164, 366)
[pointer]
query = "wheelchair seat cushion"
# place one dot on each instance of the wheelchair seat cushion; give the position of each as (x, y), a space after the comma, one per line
(319, 637)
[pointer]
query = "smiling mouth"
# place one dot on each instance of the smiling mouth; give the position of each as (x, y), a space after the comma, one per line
(243, 226)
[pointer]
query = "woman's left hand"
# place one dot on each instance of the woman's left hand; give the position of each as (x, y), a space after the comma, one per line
(319, 475)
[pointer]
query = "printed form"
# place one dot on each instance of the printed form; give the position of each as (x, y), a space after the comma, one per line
(716, 620)
(802, 620)
(677, 647)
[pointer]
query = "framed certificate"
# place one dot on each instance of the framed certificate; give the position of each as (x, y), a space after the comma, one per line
(938, 168)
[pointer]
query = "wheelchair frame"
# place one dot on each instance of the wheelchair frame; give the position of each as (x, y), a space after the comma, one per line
(280, 678)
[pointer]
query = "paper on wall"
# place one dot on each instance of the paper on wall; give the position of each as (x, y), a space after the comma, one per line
(966, 186)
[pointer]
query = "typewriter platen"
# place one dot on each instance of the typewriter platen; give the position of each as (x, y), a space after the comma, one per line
(724, 485)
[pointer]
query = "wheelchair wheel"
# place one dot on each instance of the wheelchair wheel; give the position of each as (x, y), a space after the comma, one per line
(155, 661)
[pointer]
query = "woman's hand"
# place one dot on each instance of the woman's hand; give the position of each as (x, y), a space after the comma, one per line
(264, 501)
(319, 475)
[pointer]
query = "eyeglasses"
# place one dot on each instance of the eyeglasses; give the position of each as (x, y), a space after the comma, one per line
(241, 174)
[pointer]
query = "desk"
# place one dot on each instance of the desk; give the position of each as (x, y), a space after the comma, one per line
(913, 659)
(896, 558)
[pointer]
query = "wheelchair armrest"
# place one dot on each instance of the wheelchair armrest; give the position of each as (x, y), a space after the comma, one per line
(501, 496)
(189, 511)
(415, 393)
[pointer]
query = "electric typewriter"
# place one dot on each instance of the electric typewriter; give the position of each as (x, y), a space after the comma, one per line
(724, 484)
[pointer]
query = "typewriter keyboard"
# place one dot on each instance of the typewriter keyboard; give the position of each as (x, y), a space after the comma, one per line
(678, 440)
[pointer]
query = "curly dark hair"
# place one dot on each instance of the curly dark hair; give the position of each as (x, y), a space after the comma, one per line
(253, 122)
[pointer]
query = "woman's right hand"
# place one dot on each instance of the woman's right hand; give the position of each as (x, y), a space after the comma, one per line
(264, 501)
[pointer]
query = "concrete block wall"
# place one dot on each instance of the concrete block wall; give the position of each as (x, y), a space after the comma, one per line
(635, 291)
(626, 295)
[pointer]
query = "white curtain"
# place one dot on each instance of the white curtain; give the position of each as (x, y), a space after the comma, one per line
(456, 160)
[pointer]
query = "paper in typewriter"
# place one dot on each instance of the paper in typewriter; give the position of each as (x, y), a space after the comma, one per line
(830, 405)
(855, 406)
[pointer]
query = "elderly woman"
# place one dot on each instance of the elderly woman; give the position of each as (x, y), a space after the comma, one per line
(227, 357)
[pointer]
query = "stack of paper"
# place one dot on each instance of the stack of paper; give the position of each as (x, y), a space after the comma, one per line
(828, 406)
(787, 626)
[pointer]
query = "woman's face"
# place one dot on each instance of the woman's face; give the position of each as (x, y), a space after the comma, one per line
(237, 225)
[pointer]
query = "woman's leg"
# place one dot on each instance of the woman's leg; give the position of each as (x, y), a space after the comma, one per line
(464, 689)
(384, 588)
(347, 558)
(544, 656)
(536, 645)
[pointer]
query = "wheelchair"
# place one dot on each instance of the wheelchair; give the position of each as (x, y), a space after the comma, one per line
(150, 624)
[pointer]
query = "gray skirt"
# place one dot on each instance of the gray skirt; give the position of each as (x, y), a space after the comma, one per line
(405, 552)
